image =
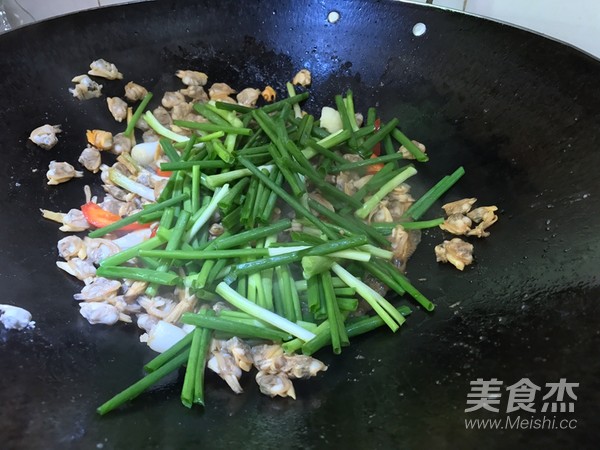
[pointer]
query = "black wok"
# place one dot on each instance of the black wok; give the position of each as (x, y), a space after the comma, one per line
(518, 111)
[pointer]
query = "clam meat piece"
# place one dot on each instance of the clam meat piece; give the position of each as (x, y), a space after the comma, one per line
(302, 78)
(71, 246)
(96, 312)
(121, 144)
(133, 291)
(81, 269)
(456, 251)
(321, 200)
(115, 192)
(74, 221)
(401, 243)
(146, 322)
(111, 204)
(408, 155)
(269, 94)
(216, 229)
(248, 96)
(61, 172)
(90, 159)
(462, 206)
(457, 224)
(223, 364)
(399, 200)
(302, 366)
(380, 213)
(171, 99)
(85, 88)
(100, 289)
(150, 136)
(45, 136)
(346, 182)
(163, 116)
(218, 91)
(117, 107)
(98, 249)
(187, 303)
(268, 358)
(157, 306)
(181, 110)
(196, 93)
(485, 217)
(102, 140)
(240, 351)
(104, 69)
(192, 77)
(275, 385)
(134, 92)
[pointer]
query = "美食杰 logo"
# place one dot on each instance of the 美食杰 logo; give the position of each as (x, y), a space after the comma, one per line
(540, 402)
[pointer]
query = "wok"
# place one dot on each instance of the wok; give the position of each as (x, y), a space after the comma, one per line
(518, 111)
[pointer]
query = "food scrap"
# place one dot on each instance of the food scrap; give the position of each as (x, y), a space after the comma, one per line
(100, 139)
(134, 92)
(104, 69)
(117, 107)
(302, 78)
(45, 136)
(61, 172)
(455, 251)
(15, 318)
(459, 221)
(85, 88)
(269, 94)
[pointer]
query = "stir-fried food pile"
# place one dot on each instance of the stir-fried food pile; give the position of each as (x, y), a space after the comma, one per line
(241, 237)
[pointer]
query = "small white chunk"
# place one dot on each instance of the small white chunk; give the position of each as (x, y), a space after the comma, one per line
(164, 335)
(45, 136)
(13, 317)
(330, 119)
(419, 29)
(145, 153)
(99, 313)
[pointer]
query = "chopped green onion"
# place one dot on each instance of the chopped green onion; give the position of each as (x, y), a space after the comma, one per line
(137, 388)
(247, 306)
(137, 114)
(136, 273)
(418, 208)
(370, 204)
(162, 130)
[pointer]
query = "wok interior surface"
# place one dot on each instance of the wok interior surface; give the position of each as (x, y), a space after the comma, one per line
(518, 111)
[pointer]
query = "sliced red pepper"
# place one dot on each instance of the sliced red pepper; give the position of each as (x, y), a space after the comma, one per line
(164, 173)
(377, 148)
(374, 168)
(377, 124)
(99, 218)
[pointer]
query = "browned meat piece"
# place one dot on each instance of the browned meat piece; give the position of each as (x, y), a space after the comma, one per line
(134, 92)
(408, 155)
(90, 159)
(248, 96)
(462, 206)
(192, 77)
(457, 224)
(275, 385)
(456, 251)
(117, 107)
(61, 172)
(485, 217)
